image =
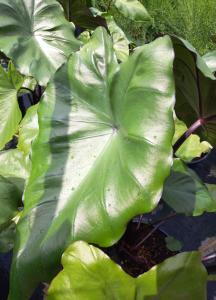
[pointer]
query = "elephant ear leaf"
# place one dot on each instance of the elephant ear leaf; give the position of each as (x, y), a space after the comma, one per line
(195, 91)
(186, 193)
(10, 114)
(88, 273)
(100, 158)
(133, 10)
(36, 36)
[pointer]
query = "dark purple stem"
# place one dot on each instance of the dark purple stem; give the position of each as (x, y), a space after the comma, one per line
(187, 133)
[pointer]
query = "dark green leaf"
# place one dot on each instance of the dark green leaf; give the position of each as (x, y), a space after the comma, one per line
(100, 158)
(78, 12)
(195, 90)
(185, 192)
(10, 200)
(36, 36)
(90, 274)
(7, 237)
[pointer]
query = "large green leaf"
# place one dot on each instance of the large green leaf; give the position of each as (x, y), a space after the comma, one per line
(28, 130)
(185, 192)
(132, 9)
(195, 90)
(36, 36)
(10, 114)
(90, 274)
(101, 156)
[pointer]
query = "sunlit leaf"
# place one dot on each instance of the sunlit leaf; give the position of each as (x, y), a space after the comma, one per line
(100, 158)
(36, 36)
(192, 147)
(90, 274)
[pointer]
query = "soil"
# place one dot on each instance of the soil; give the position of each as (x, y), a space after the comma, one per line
(134, 257)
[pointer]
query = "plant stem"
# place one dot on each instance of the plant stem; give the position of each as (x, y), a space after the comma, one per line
(148, 235)
(25, 88)
(158, 224)
(187, 133)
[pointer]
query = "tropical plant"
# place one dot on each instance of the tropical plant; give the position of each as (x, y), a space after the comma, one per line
(95, 147)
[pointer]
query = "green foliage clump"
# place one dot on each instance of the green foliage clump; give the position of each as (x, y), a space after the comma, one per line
(193, 20)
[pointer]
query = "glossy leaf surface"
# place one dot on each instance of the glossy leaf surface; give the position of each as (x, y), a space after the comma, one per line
(36, 36)
(195, 90)
(100, 158)
(10, 114)
(132, 9)
(90, 274)
(185, 192)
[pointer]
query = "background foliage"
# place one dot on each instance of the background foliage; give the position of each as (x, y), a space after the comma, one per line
(193, 20)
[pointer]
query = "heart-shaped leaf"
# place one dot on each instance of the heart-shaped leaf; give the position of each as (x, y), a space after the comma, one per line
(90, 274)
(133, 10)
(10, 114)
(186, 193)
(36, 36)
(195, 91)
(100, 157)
